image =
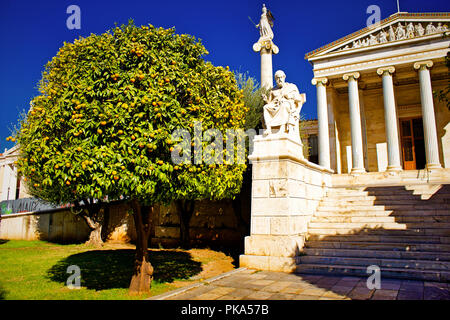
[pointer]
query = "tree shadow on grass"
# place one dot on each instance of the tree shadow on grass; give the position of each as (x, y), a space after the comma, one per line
(3, 241)
(109, 269)
(2, 292)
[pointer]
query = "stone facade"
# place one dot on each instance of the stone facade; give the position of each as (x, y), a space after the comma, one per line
(11, 187)
(213, 222)
(408, 102)
(286, 190)
(366, 89)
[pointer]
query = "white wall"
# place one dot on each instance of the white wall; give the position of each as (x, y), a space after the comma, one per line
(9, 183)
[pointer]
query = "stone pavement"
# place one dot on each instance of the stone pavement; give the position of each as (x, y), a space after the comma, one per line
(248, 284)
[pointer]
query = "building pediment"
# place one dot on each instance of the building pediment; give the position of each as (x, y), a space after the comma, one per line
(398, 29)
(9, 156)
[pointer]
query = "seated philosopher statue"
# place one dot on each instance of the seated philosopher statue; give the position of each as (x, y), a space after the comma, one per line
(283, 107)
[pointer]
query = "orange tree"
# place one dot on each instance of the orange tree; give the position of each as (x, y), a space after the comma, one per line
(101, 129)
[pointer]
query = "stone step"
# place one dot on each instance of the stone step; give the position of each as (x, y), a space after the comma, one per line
(379, 224)
(352, 219)
(383, 246)
(377, 213)
(379, 238)
(415, 193)
(381, 262)
(377, 202)
(399, 273)
(361, 190)
(379, 218)
(424, 200)
(381, 232)
(346, 198)
(378, 254)
(366, 207)
(387, 192)
(322, 208)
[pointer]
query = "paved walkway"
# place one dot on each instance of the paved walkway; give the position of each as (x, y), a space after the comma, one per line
(247, 284)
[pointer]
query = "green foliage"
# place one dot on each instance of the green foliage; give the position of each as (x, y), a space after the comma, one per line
(252, 100)
(108, 105)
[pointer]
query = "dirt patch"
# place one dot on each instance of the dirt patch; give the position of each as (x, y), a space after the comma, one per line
(213, 262)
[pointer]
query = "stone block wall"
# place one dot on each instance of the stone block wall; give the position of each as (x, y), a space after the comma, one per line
(286, 190)
(58, 226)
(213, 222)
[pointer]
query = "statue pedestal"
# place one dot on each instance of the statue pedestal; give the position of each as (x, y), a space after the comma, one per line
(286, 190)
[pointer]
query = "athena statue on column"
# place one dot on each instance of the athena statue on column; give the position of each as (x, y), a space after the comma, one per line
(265, 24)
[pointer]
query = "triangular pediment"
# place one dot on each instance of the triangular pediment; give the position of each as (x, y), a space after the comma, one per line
(14, 151)
(396, 29)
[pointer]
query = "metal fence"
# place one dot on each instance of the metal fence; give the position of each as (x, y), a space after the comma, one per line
(24, 205)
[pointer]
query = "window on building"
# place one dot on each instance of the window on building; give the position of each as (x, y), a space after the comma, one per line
(313, 155)
(18, 188)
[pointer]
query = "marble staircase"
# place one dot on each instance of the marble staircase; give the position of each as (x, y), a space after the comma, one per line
(404, 230)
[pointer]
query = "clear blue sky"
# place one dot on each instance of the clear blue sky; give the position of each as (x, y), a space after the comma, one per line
(31, 33)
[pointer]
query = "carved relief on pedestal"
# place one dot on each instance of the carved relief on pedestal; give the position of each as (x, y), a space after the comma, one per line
(278, 188)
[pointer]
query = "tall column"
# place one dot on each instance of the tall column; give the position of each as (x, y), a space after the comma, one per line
(429, 121)
(322, 119)
(390, 118)
(266, 48)
(266, 68)
(355, 122)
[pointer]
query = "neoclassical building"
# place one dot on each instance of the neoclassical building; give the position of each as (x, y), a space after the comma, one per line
(376, 103)
(11, 186)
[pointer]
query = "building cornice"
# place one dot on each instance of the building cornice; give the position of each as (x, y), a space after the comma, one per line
(432, 16)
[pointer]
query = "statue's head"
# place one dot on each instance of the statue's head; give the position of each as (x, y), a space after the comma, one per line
(264, 9)
(280, 77)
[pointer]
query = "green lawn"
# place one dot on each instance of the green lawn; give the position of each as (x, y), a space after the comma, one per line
(38, 270)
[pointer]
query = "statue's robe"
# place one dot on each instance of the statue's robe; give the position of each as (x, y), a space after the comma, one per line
(282, 102)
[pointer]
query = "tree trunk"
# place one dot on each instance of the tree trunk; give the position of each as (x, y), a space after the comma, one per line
(237, 209)
(243, 196)
(105, 223)
(95, 237)
(185, 211)
(143, 270)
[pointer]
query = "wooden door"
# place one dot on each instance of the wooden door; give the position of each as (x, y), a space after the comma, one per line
(413, 151)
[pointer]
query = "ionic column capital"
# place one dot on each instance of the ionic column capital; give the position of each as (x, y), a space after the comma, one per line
(316, 81)
(383, 70)
(420, 65)
(354, 75)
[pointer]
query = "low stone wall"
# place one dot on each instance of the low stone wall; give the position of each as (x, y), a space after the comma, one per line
(286, 193)
(213, 222)
(53, 225)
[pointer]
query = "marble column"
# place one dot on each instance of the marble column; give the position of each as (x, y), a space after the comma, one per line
(355, 122)
(429, 121)
(322, 119)
(266, 48)
(390, 118)
(266, 68)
